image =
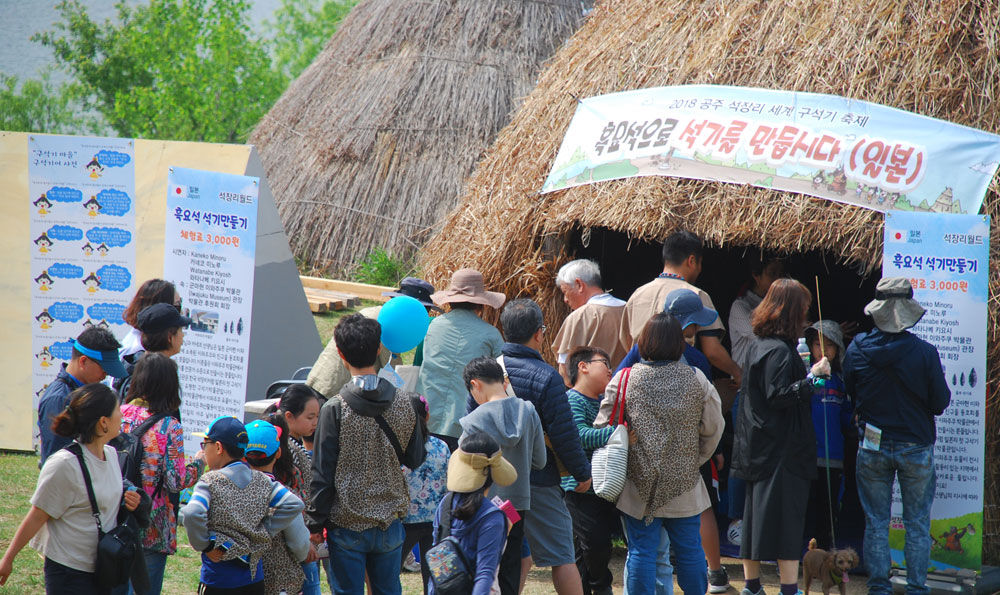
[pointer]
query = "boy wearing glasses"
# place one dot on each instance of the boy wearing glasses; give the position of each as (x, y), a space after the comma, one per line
(233, 513)
(589, 371)
(515, 425)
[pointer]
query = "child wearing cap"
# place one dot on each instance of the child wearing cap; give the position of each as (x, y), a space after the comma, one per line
(233, 513)
(478, 525)
(289, 548)
(94, 356)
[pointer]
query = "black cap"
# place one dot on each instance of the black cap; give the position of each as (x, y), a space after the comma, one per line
(160, 317)
(415, 288)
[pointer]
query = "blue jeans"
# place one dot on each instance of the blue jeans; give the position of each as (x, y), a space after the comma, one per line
(374, 550)
(311, 584)
(643, 546)
(156, 563)
(664, 569)
(913, 465)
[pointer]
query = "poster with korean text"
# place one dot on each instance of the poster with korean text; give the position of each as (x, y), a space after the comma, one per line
(826, 146)
(209, 255)
(82, 194)
(946, 258)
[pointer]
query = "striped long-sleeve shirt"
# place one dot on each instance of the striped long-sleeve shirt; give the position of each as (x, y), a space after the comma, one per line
(584, 411)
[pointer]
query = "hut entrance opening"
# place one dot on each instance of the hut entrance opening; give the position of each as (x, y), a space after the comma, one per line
(628, 263)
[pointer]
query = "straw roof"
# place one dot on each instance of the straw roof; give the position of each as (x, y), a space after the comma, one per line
(940, 59)
(371, 145)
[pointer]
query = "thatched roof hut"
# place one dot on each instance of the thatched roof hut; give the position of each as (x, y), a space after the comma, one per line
(940, 59)
(371, 145)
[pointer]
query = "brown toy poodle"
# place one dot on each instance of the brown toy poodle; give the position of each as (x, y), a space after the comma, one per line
(829, 567)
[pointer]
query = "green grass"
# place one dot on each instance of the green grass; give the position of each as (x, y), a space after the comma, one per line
(327, 321)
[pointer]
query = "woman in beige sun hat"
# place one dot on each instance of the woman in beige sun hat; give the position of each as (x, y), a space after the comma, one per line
(453, 340)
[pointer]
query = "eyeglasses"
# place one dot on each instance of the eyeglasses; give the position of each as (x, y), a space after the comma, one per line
(602, 360)
(544, 328)
(206, 441)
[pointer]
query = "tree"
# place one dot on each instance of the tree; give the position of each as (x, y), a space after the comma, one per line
(301, 30)
(172, 69)
(34, 107)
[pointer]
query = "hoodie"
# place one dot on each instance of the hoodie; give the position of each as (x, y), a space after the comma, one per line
(898, 384)
(357, 481)
(515, 425)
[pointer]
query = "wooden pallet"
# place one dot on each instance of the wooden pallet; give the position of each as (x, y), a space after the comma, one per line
(325, 295)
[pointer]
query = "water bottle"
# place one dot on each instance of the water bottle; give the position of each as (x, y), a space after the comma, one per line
(803, 350)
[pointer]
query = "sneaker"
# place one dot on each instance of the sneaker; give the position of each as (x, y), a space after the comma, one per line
(411, 564)
(718, 580)
(746, 591)
(735, 533)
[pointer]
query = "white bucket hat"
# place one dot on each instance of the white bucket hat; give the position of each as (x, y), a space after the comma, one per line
(894, 310)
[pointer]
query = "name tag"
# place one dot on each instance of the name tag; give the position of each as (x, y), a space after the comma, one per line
(873, 438)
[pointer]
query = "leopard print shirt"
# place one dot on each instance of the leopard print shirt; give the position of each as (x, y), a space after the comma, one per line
(663, 404)
(371, 488)
(237, 515)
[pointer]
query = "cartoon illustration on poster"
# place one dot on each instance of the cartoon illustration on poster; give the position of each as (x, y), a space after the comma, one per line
(81, 193)
(211, 235)
(826, 146)
(946, 258)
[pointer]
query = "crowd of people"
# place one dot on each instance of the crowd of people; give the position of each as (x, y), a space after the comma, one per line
(484, 469)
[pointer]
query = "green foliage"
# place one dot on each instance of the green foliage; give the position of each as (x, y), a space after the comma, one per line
(301, 30)
(34, 107)
(379, 267)
(172, 69)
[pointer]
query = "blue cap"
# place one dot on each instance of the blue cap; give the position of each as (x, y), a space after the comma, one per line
(262, 437)
(225, 429)
(108, 360)
(686, 307)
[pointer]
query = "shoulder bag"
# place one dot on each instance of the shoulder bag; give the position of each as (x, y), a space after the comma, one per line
(116, 549)
(610, 462)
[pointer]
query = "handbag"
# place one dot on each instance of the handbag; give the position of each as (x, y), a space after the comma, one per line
(449, 567)
(609, 464)
(116, 549)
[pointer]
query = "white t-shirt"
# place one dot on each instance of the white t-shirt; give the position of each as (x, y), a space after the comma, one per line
(70, 536)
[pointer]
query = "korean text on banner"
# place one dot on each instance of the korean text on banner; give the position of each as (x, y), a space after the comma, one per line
(209, 255)
(822, 145)
(946, 258)
(82, 193)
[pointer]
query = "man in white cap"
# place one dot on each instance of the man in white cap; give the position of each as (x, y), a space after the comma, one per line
(899, 387)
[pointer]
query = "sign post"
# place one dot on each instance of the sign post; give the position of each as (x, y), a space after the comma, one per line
(946, 258)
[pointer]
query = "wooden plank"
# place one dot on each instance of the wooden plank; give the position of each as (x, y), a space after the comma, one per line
(323, 297)
(347, 299)
(362, 290)
(317, 306)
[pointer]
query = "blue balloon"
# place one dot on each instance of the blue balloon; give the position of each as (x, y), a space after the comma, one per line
(404, 323)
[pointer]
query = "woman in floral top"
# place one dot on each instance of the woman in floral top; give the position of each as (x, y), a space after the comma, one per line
(428, 485)
(155, 389)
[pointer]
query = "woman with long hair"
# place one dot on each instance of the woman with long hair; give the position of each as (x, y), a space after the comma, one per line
(155, 391)
(775, 444)
(60, 512)
(153, 291)
(675, 414)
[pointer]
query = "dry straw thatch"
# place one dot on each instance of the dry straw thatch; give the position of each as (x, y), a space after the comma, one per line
(940, 59)
(371, 145)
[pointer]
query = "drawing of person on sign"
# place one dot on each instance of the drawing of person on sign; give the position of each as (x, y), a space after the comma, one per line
(88, 250)
(95, 168)
(92, 206)
(43, 242)
(92, 282)
(44, 319)
(43, 204)
(44, 281)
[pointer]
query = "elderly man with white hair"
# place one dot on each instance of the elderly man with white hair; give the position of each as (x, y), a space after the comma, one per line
(596, 317)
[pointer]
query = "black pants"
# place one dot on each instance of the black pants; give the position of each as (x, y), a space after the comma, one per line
(821, 495)
(254, 589)
(421, 534)
(594, 518)
(509, 577)
(63, 579)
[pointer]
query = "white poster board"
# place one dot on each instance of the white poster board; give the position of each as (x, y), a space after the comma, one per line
(946, 258)
(82, 194)
(210, 241)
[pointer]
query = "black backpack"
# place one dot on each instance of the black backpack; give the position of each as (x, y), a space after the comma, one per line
(130, 452)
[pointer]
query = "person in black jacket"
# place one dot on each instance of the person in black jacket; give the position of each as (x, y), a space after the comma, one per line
(359, 494)
(900, 387)
(548, 526)
(775, 444)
